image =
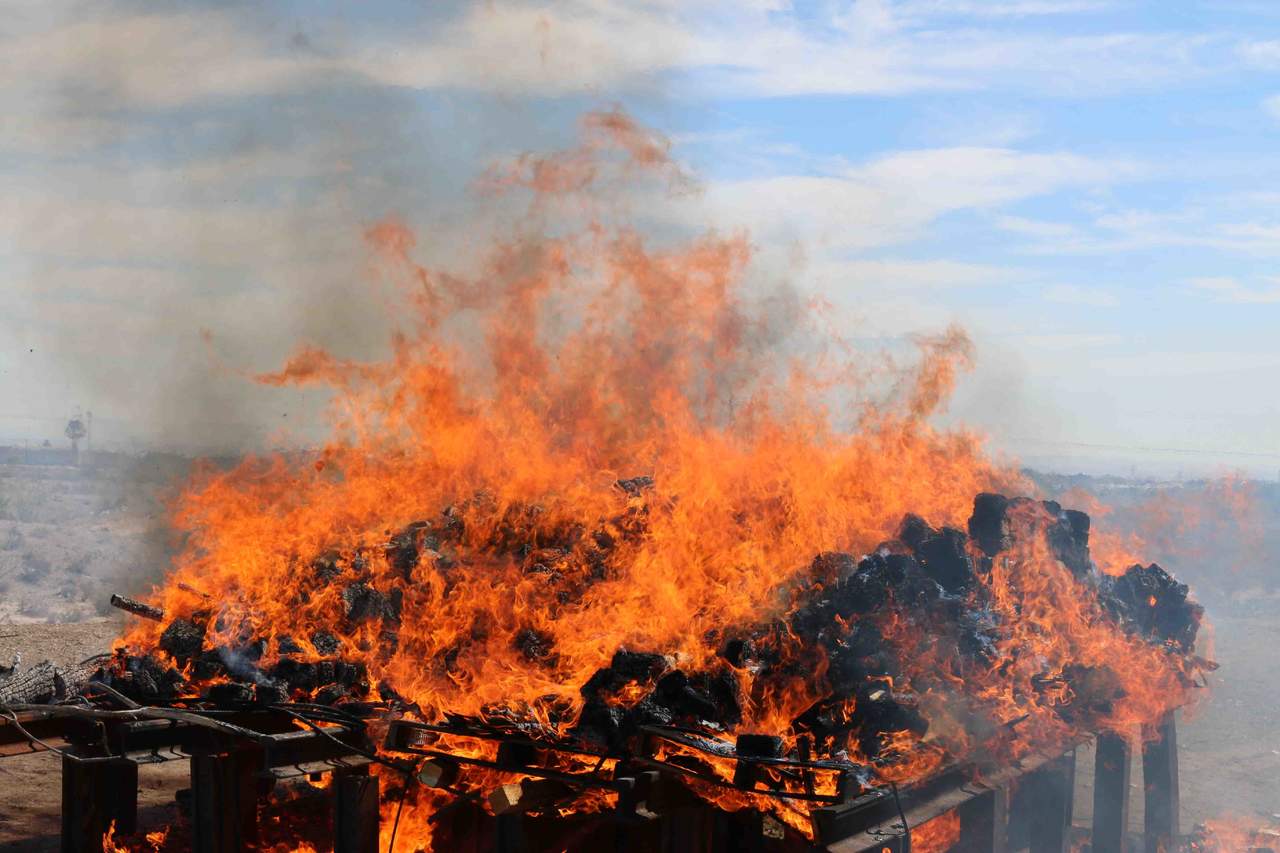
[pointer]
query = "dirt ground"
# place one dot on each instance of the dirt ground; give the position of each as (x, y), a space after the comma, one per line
(69, 537)
(30, 793)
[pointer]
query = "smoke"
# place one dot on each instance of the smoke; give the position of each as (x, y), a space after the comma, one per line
(226, 165)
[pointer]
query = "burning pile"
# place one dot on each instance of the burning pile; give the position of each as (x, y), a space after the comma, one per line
(474, 543)
(845, 650)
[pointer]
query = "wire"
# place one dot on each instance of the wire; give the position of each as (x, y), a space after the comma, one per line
(13, 719)
(369, 754)
(395, 825)
(906, 830)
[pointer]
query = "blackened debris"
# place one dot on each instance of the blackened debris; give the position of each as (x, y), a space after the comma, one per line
(330, 694)
(1093, 690)
(404, 550)
(739, 652)
(989, 524)
(230, 693)
(536, 646)
(182, 639)
(326, 642)
(1068, 538)
(700, 697)
(943, 557)
(759, 746)
(633, 666)
(914, 530)
(327, 566)
(882, 713)
(361, 602)
(295, 674)
(635, 486)
(832, 566)
(209, 665)
(270, 694)
(1151, 603)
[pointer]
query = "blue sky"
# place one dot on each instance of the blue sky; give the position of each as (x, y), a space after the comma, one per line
(1088, 186)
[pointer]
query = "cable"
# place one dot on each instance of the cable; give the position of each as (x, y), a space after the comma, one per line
(395, 825)
(372, 756)
(13, 718)
(906, 830)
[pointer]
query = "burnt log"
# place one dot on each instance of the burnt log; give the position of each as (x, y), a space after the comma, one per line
(137, 608)
(45, 682)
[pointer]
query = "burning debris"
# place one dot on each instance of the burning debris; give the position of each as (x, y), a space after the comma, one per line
(789, 605)
(838, 669)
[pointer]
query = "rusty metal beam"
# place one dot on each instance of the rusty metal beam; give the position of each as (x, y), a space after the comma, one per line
(355, 812)
(1160, 787)
(1111, 772)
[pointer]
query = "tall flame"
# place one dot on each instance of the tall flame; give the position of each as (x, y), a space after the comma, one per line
(516, 398)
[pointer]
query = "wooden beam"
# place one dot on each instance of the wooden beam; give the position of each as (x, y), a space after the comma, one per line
(1111, 771)
(355, 812)
(1160, 787)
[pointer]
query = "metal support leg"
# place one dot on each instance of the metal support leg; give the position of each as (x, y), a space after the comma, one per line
(224, 808)
(1111, 794)
(688, 830)
(739, 832)
(121, 779)
(355, 813)
(1160, 787)
(1048, 803)
(984, 823)
(86, 806)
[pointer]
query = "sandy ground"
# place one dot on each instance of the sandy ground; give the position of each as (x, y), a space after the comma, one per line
(30, 793)
(69, 537)
(1229, 749)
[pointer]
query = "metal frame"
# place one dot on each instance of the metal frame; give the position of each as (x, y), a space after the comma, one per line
(1032, 798)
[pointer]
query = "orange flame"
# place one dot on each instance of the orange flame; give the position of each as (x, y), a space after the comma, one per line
(514, 399)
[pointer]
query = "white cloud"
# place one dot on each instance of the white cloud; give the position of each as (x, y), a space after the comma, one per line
(901, 274)
(1003, 8)
(1067, 340)
(1263, 54)
(1227, 289)
(1271, 106)
(890, 199)
(1071, 294)
(1037, 227)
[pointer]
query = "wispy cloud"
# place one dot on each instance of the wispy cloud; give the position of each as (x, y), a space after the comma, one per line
(1004, 8)
(890, 198)
(1272, 106)
(1071, 294)
(1227, 289)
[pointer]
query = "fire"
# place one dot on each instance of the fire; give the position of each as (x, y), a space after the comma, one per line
(1233, 835)
(595, 442)
(938, 835)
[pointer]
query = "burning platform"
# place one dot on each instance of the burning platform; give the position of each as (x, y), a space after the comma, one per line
(659, 752)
